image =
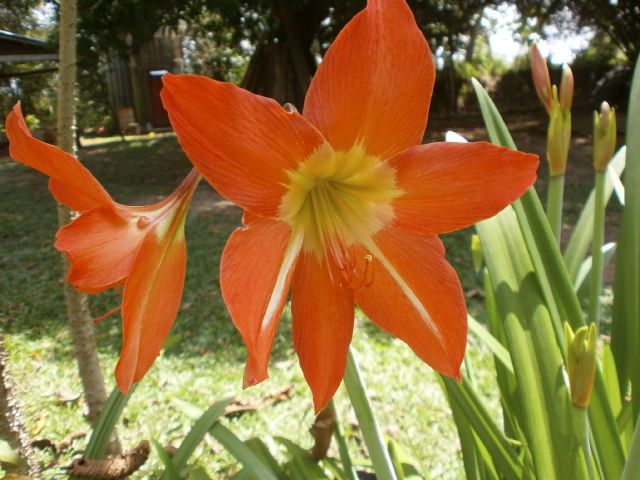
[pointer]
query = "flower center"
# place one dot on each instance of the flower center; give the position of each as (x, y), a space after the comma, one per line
(335, 199)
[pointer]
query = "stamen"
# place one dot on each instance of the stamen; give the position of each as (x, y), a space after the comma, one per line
(366, 279)
(351, 277)
(368, 269)
(106, 315)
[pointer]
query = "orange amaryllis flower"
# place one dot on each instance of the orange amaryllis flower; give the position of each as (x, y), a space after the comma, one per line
(109, 244)
(343, 205)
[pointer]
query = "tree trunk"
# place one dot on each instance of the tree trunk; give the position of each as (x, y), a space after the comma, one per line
(80, 321)
(11, 427)
(451, 70)
(282, 65)
(473, 36)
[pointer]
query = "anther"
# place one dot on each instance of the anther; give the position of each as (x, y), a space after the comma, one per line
(368, 270)
(350, 275)
(143, 221)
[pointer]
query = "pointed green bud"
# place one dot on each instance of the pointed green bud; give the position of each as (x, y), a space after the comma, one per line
(581, 363)
(558, 136)
(476, 253)
(540, 74)
(604, 136)
(566, 88)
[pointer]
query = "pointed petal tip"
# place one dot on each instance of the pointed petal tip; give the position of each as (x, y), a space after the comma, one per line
(321, 401)
(69, 181)
(16, 110)
(14, 120)
(169, 79)
(455, 370)
(253, 376)
(453, 366)
(381, 100)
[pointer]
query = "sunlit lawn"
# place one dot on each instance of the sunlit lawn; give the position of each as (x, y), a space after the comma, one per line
(205, 358)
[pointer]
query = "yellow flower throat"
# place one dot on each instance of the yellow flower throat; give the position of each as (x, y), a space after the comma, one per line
(335, 199)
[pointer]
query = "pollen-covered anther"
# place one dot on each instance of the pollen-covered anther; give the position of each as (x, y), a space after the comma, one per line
(337, 199)
(143, 221)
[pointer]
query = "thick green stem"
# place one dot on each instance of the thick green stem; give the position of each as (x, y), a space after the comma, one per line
(555, 198)
(580, 440)
(596, 250)
(586, 447)
(632, 467)
(368, 425)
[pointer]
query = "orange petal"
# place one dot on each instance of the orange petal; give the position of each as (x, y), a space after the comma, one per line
(101, 245)
(255, 273)
(242, 143)
(150, 303)
(322, 326)
(374, 84)
(70, 182)
(416, 296)
(449, 186)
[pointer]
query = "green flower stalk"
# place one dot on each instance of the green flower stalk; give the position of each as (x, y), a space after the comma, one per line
(558, 141)
(604, 144)
(558, 106)
(380, 459)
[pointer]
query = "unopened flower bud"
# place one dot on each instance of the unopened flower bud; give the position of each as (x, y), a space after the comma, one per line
(476, 253)
(604, 136)
(558, 136)
(581, 363)
(566, 88)
(540, 73)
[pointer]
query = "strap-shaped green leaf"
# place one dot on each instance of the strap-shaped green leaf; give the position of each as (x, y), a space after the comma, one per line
(632, 467)
(501, 353)
(557, 290)
(170, 470)
(584, 272)
(537, 360)
(106, 424)
(262, 452)
(580, 241)
(196, 434)
(242, 452)
(463, 399)
(625, 335)
(301, 465)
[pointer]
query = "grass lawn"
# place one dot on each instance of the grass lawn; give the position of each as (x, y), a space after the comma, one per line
(205, 358)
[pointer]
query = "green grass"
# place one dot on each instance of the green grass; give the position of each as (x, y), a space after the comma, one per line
(206, 360)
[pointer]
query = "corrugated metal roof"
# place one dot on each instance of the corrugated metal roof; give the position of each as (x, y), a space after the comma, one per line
(20, 48)
(15, 38)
